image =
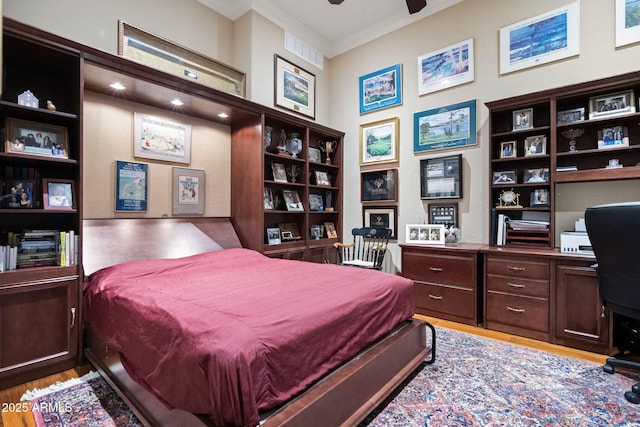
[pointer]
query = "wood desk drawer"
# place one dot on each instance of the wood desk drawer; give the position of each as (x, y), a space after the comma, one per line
(518, 267)
(518, 286)
(445, 299)
(523, 312)
(445, 269)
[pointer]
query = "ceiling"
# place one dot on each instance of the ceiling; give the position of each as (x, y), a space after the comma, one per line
(331, 29)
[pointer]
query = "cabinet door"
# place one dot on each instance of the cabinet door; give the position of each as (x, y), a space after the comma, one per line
(39, 325)
(581, 320)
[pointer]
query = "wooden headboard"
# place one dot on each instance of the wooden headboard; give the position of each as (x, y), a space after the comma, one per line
(108, 242)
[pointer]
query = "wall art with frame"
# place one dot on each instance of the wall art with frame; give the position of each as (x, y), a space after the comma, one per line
(38, 139)
(381, 216)
(426, 234)
(131, 186)
(443, 213)
(379, 185)
(627, 22)
(544, 38)
(452, 126)
(379, 142)
(381, 89)
(188, 191)
(446, 67)
(159, 139)
(295, 88)
(441, 178)
(58, 194)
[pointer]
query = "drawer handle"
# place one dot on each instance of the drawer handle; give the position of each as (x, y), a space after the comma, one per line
(436, 269)
(516, 285)
(73, 317)
(512, 268)
(515, 310)
(435, 297)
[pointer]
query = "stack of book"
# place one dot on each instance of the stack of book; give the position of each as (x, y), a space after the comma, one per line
(38, 248)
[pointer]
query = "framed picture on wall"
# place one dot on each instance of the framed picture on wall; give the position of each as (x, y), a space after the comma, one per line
(441, 178)
(295, 88)
(381, 89)
(377, 186)
(381, 216)
(446, 67)
(450, 126)
(160, 139)
(379, 142)
(131, 186)
(188, 191)
(627, 22)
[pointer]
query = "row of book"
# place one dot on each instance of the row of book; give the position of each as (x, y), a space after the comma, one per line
(35, 248)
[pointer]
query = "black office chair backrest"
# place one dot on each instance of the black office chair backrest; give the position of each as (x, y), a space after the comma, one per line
(614, 232)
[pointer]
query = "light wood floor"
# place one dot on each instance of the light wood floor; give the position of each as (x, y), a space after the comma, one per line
(13, 394)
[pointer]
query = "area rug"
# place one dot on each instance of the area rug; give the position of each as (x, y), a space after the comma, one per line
(478, 381)
(87, 401)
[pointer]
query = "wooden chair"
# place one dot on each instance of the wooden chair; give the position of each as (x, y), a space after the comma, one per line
(367, 250)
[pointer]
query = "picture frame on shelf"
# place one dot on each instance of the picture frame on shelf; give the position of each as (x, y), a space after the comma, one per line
(447, 67)
(381, 216)
(504, 177)
(316, 231)
(613, 104)
(289, 231)
(331, 231)
(268, 199)
(36, 139)
(315, 156)
(292, 200)
(188, 191)
(273, 236)
(19, 193)
(539, 197)
(574, 115)
(295, 88)
(556, 35)
(523, 119)
(535, 145)
(315, 202)
(379, 142)
(451, 126)
(279, 172)
(443, 213)
(157, 138)
(613, 137)
(322, 179)
(425, 234)
(627, 22)
(535, 175)
(441, 177)
(381, 89)
(508, 149)
(379, 185)
(58, 194)
(131, 186)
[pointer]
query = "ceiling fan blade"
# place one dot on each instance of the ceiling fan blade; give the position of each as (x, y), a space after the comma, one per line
(335, 1)
(416, 6)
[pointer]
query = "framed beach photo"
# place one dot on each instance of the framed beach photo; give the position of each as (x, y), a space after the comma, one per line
(159, 139)
(452, 126)
(38, 139)
(379, 186)
(381, 89)
(535, 145)
(131, 186)
(381, 216)
(544, 38)
(295, 88)
(379, 142)
(446, 67)
(188, 191)
(627, 22)
(425, 234)
(613, 104)
(58, 194)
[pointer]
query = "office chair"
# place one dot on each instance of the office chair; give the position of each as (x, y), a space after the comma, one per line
(367, 250)
(614, 232)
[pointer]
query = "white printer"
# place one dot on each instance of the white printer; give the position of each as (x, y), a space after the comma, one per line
(576, 242)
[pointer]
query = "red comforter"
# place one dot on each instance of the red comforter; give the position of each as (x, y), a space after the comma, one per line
(231, 333)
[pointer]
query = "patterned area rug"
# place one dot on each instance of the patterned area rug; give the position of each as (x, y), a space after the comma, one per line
(477, 381)
(87, 401)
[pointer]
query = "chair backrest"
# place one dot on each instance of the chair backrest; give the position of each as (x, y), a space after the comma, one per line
(614, 232)
(369, 245)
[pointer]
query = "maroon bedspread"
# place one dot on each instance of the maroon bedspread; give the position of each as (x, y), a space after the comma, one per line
(231, 333)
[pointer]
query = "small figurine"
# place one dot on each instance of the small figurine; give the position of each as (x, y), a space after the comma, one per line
(28, 99)
(51, 106)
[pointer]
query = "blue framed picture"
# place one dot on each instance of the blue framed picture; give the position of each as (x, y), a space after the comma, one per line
(381, 89)
(445, 127)
(131, 186)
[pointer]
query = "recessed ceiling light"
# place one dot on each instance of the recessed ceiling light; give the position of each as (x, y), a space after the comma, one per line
(117, 86)
(223, 115)
(177, 102)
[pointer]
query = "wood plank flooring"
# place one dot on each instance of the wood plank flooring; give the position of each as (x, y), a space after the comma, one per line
(13, 394)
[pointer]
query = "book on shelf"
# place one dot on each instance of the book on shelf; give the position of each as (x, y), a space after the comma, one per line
(566, 168)
(39, 247)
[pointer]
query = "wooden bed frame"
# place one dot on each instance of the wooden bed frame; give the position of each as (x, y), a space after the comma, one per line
(344, 397)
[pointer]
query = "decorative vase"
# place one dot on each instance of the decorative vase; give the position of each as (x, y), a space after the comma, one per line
(294, 145)
(572, 134)
(267, 138)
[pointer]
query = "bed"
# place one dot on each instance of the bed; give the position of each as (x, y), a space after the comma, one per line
(191, 323)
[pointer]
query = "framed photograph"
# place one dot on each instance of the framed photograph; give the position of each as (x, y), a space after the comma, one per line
(545, 38)
(535, 145)
(614, 104)
(570, 116)
(441, 178)
(425, 234)
(536, 175)
(268, 199)
(131, 186)
(452, 126)
(523, 119)
(376, 186)
(447, 67)
(381, 216)
(159, 139)
(315, 202)
(504, 177)
(18, 193)
(58, 194)
(316, 232)
(315, 155)
(330, 228)
(539, 197)
(188, 191)
(279, 172)
(322, 179)
(289, 231)
(273, 236)
(508, 149)
(613, 137)
(295, 88)
(379, 142)
(627, 22)
(37, 139)
(381, 89)
(292, 200)
(443, 213)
